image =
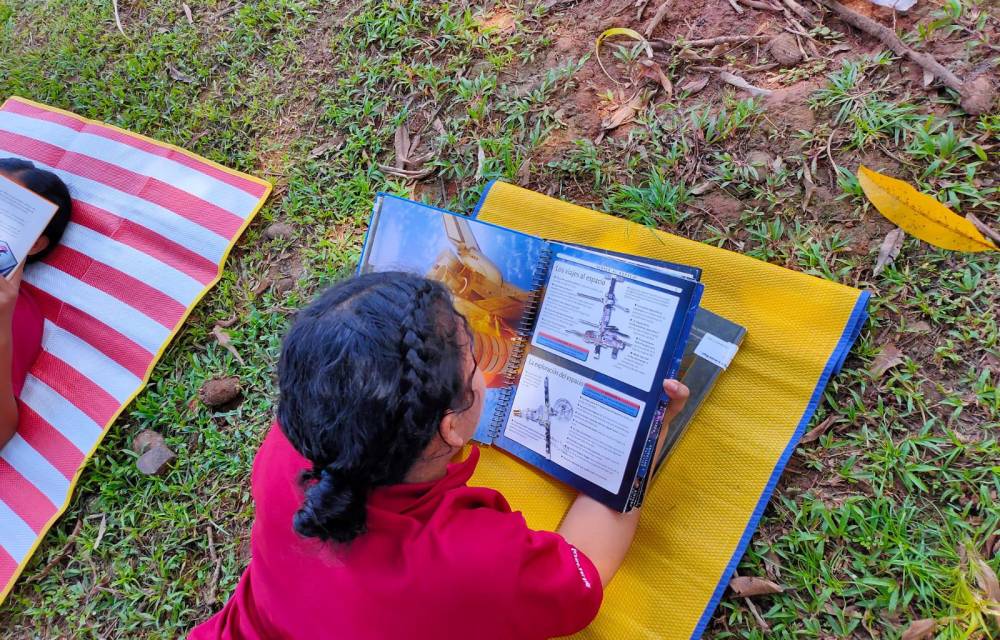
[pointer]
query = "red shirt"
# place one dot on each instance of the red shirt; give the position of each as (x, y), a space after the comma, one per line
(26, 332)
(439, 560)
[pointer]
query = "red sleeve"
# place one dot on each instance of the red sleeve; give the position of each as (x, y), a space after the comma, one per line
(557, 588)
(544, 587)
(26, 330)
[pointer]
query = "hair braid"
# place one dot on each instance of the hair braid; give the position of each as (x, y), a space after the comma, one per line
(364, 383)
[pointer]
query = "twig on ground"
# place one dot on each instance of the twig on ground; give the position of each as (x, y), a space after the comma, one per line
(984, 228)
(660, 44)
(118, 20)
(640, 8)
(736, 7)
(70, 541)
(661, 13)
(889, 38)
(800, 11)
(761, 6)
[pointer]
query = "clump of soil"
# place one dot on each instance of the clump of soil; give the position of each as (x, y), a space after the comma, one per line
(220, 393)
(784, 49)
(978, 96)
(279, 231)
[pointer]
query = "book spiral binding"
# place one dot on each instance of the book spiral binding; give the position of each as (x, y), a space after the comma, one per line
(521, 341)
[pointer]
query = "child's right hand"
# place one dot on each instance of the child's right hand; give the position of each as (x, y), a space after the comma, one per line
(8, 298)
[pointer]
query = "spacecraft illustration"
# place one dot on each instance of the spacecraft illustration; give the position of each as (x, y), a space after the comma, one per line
(561, 409)
(604, 334)
(491, 306)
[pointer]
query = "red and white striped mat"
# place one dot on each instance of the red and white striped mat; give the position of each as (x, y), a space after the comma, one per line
(152, 225)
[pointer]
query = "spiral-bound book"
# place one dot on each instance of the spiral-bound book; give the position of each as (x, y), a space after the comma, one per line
(574, 342)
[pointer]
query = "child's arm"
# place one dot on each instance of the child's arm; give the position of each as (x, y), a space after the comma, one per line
(605, 535)
(8, 403)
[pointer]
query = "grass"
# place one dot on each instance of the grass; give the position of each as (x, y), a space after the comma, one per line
(874, 523)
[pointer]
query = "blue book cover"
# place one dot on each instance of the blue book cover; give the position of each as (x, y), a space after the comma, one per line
(574, 343)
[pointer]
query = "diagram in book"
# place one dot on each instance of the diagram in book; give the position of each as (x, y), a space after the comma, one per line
(605, 334)
(561, 409)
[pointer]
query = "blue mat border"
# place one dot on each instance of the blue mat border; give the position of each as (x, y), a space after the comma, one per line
(852, 329)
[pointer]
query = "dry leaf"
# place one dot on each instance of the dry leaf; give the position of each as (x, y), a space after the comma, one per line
(920, 215)
(920, 629)
(817, 431)
(655, 73)
(329, 145)
(694, 85)
(101, 530)
(928, 78)
(703, 188)
(187, 12)
(524, 173)
(748, 587)
(180, 76)
(401, 143)
(480, 160)
(626, 113)
(227, 343)
(889, 250)
(889, 357)
(986, 578)
(739, 82)
(619, 31)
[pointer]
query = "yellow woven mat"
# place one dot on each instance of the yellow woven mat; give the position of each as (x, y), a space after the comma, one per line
(703, 507)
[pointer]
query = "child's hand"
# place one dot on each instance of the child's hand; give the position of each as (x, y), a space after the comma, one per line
(678, 394)
(8, 297)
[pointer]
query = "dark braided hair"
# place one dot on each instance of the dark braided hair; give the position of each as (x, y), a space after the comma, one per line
(49, 186)
(367, 372)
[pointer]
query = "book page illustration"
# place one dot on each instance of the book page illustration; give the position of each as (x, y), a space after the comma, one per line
(578, 424)
(606, 321)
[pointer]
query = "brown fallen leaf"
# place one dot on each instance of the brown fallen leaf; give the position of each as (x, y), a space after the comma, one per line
(890, 248)
(180, 76)
(694, 85)
(741, 83)
(986, 578)
(889, 357)
(920, 629)
(748, 587)
(652, 71)
(816, 432)
(626, 112)
(524, 173)
(329, 145)
(401, 143)
(227, 343)
(187, 12)
(480, 160)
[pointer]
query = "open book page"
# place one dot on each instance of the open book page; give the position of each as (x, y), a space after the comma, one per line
(583, 426)
(23, 217)
(607, 333)
(611, 322)
(489, 270)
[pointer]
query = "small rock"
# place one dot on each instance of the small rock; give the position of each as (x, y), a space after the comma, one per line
(279, 231)
(978, 96)
(283, 286)
(154, 462)
(145, 440)
(761, 162)
(219, 391)
(784, 49)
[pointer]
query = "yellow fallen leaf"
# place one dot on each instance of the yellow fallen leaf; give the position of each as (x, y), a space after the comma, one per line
(920, 215)
(620, 31)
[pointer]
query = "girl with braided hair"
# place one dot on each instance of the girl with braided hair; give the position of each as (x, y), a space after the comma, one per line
(363, 529)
